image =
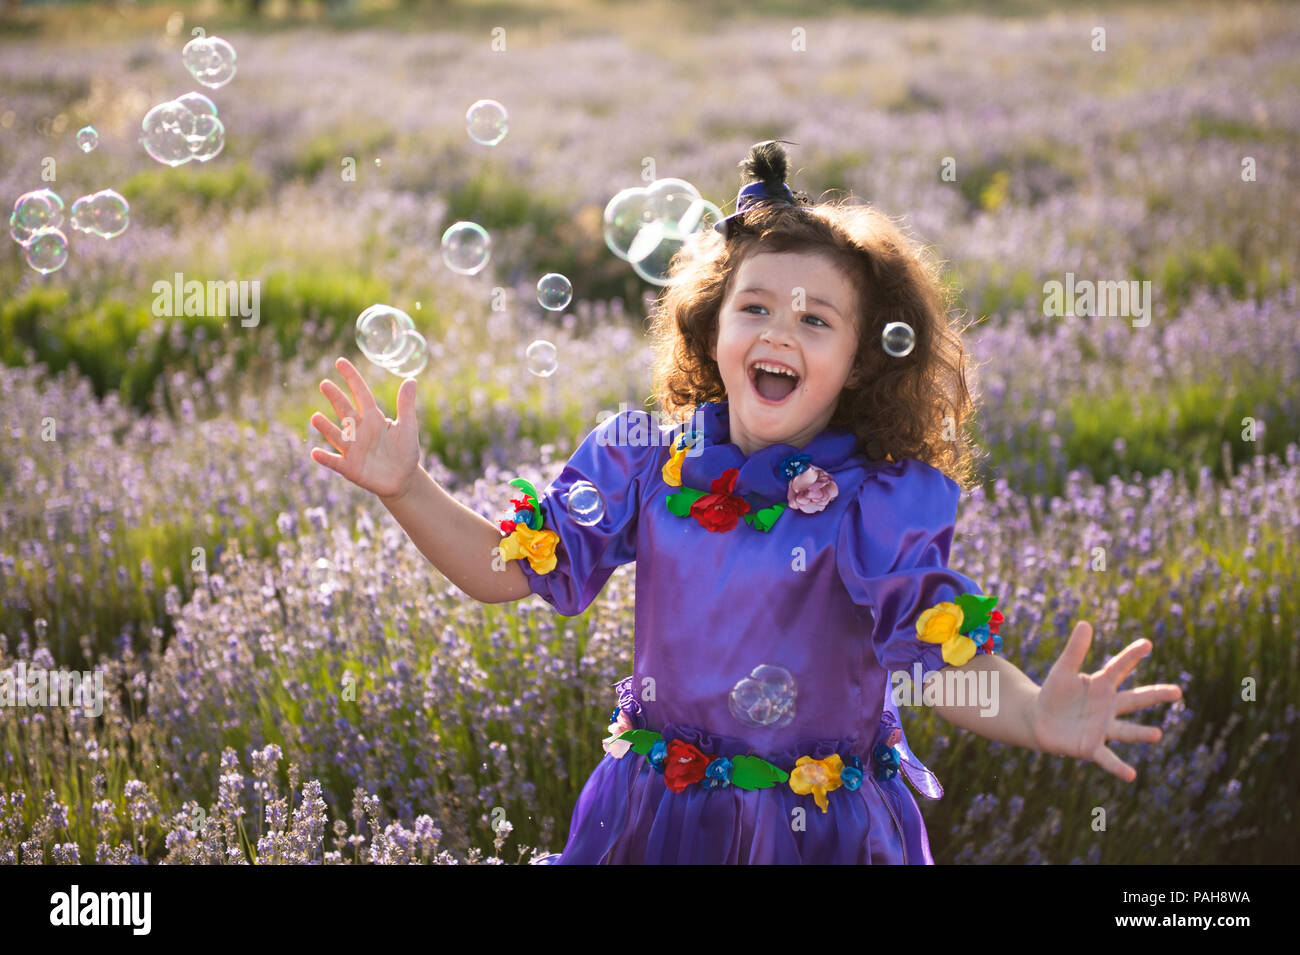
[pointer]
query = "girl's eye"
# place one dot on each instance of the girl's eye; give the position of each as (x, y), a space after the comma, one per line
(748, 307)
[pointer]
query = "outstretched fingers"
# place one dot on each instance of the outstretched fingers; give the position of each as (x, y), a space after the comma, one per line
(338, 401)
(1126, 731)
(1108, 761)
(361, 394)
(329, 430)
(1076, 648)
(1127, 701)
(1121, 665)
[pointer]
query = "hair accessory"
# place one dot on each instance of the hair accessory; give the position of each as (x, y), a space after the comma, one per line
(764, 170)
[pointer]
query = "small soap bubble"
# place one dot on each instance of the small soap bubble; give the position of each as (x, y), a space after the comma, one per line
(105, 213)
(540, 358)
(87, 138)
(321, 575)
(554, 291)
(34, 211)
(765, 698)
(898, 339)
(47, 250)
(466, 247)
(487, 122)
(210, 60)
(585, 503)
(381, 333)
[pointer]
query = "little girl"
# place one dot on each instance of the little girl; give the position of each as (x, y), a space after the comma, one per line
(791, 542)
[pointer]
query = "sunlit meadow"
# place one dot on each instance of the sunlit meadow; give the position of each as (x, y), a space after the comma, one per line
(289, 681)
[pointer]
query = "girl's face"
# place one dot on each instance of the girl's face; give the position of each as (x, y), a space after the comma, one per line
(758, 322)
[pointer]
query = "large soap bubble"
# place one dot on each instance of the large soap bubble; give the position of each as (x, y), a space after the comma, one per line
(466, 247)
(47, 250)
(486, 122)
(210, 60)
(183, 129)
(33, 211)
(648, 227)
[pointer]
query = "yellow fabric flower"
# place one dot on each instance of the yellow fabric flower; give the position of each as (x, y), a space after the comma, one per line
(940, 624)
(817, 776)
(672, 471)
(537, 546)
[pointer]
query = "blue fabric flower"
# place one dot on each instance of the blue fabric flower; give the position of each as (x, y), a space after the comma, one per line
(528, 518)
(886, 762)
(658, 756)
(717, 775)
(851, 777)
(685, 440)
(613, 717)
(979, 634)
(792, 465)
(997, 643)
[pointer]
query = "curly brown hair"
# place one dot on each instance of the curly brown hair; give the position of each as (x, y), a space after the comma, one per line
(896, 406)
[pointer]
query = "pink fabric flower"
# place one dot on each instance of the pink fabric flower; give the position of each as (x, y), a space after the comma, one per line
(811, 490)
(613, 745)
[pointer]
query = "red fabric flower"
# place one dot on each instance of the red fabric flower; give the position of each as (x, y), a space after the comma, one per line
(683, 765)
(995, 621)
(719, 511)
(508, 527)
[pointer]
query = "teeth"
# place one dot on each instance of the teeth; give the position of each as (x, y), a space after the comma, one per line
(774, 369)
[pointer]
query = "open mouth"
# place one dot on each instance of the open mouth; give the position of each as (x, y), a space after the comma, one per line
(770, 387)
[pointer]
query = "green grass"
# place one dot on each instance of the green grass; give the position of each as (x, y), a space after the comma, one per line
(171, 194)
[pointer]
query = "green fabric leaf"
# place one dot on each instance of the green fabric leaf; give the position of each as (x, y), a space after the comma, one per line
(764, 519)
(976, 610)
(527, 488)
(750, 772)
(680, 503)
(642, 740)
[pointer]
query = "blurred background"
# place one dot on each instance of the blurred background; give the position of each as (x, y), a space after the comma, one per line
(288, 679)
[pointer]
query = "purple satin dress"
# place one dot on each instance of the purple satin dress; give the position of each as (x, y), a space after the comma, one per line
(831, 597)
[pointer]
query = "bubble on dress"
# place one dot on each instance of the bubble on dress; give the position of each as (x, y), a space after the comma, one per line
(487, 122)
(540, 358)
(554, 291)
(87, 138)
(210, 60)
(47, 250)
(765, 698)
(585, 503)
(105, 213)
(466, 247)
(381, 333)
(898, 339)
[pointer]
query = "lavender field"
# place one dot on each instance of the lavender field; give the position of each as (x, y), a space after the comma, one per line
(288, 680)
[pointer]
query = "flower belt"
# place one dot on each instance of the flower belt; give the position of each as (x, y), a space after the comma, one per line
(682, 764)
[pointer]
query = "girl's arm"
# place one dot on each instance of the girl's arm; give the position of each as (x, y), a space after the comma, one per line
(1071, 714)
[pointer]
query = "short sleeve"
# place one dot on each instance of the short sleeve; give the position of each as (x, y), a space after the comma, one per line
(618, 458)
(892, 555)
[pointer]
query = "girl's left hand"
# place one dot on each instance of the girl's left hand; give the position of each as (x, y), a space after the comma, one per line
(1076, 713)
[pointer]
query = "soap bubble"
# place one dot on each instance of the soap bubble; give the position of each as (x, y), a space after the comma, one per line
(540, 358)
(87, 138)
(466, 247)
(105, 213)
(381, 333)
(670, 199)
(554, 291)
(626, 215)
(487, 122)
(585, 504)
(765, 698)
(898, 339)
(47, 250)
(321, 575)
(413, 358)
(183, 129)
(210, 60)
(653, 267)
(34, 211)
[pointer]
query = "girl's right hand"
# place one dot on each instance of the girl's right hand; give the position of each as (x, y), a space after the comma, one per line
(384, 455)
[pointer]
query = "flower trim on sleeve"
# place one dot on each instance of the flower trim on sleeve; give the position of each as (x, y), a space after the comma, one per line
(961, 626)
(809, 489)
(526, 537)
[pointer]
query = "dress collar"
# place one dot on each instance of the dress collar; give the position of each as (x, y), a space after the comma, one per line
(760, 475)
